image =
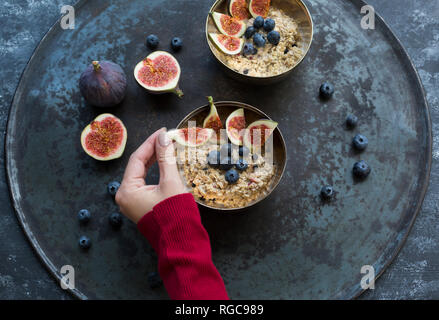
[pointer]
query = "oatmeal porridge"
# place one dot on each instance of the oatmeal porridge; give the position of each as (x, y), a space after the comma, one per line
(209, 183)
(270, 59)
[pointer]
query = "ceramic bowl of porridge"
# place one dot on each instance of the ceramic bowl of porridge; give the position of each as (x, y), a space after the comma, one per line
(227, 176)
(259, 50)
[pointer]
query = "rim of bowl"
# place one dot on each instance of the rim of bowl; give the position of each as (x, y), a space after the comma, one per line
(255, 77)
(218, 104)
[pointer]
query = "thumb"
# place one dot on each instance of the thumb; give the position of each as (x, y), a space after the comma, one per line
(164, 149)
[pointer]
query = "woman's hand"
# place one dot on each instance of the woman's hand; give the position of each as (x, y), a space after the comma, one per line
(134, 197)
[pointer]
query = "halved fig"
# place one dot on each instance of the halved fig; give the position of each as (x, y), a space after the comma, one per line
(228, 25)
(191, 137)
(259, 8)
(258, 132)
(213, 120)
(227, 44)
(159, 73)
(104, 138)
(235, 125)
(239, 9)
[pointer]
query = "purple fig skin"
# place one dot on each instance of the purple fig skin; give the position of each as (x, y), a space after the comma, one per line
(103, 84)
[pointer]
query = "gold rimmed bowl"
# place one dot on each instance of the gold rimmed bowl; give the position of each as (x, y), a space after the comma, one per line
(295, 9)
(225, 108)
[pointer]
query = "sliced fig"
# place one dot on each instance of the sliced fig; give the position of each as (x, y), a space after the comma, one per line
(213, 120)
(191, 137)
(103, 84)
(104, 138)
(239, 9)
(159, 73)
(228, 25)
(258, 132)
(259, 8)
(227, 44)
(235, 125)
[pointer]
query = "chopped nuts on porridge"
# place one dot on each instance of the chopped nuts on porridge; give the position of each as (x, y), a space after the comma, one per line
(209, 184)
(270, 60)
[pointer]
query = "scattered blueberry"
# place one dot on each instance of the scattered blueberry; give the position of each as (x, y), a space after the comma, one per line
(249, 49)
(113, 187)
(286, 51)
(326, 90)
(84, 216)
(154, 280)
(273, 37)
(84, 242)
(152, 41)
(361, 169)
(213, 158)
(249, 32)
(258, 22)
(246, 70)
(327, 192)
(226, 163)
(241, 165)
(269, 24)
(360, 142)
(176, 44)
(243, 151)
(226, 149)
(258, 40)
(232, 176)
(115, 220)
(351, 121)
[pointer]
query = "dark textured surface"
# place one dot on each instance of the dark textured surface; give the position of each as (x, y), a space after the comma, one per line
(412, 275)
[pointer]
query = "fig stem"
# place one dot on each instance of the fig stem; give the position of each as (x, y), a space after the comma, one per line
(178, 92)
(210, 99)
(96, 65)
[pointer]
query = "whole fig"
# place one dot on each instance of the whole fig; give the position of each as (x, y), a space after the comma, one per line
(103, 84)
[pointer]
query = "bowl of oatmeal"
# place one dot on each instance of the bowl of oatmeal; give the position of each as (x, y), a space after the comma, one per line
(274, 59)
(260, 170)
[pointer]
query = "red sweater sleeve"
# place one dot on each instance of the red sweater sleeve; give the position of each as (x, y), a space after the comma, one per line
(174, 230)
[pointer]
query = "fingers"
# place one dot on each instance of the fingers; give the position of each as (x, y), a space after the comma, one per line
(142, 158)
(164, 149)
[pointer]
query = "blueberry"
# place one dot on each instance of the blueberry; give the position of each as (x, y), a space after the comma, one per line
(351, 121)
(327, 192)
(154, 280)
(361, 169)
(232, 176)
(269, 24)
(226, 150)
(115, 220)
(84, 242)
(258, 40)
(273, 37)
(112, 187)
(152, 41)
(259, 22)
(249, 32)
(326, 90)
(226, 163)
(84, 216)
(176, 44)
(360, 142)
(249, 49)
(243, 151)
(213, 158)
(241, 165)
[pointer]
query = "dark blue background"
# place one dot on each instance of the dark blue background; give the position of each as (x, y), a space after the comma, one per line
(413, 275)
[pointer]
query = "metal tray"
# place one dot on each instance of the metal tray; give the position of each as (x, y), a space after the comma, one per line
(289, 246)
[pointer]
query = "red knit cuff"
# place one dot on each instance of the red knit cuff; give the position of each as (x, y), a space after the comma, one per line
(170, 210)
